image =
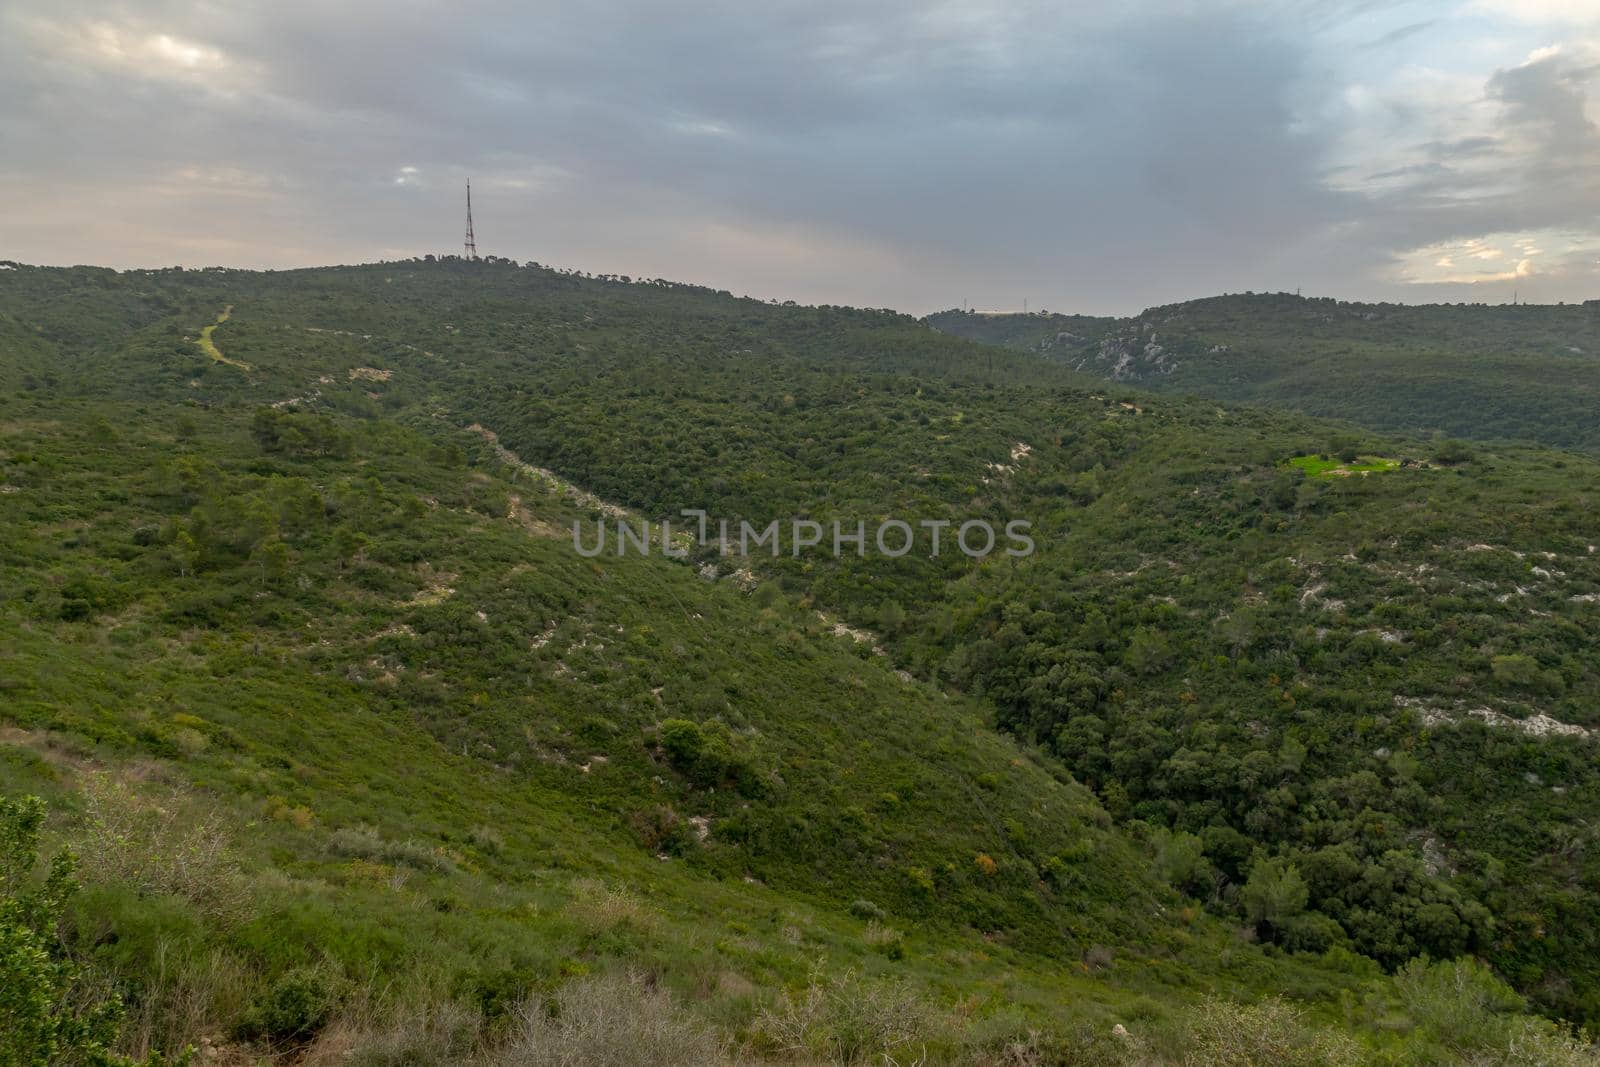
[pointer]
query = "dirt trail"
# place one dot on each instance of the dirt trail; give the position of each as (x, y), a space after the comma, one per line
(550, 479)
(682, 539)
(209, 346)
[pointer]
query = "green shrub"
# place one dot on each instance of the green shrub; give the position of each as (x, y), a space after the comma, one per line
(1221, 1033)
(1274, 894)
(1464, 1012)
(1180, 857)
(294, 1007)
(1523, 672)
(683, 742)
(708, 756)
(363, 842)
(865, 909)
(42, 1017)
(1310, 932)
(1451, 453)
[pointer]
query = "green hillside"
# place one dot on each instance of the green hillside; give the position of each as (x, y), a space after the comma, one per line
(364, 761)
(1529, 372)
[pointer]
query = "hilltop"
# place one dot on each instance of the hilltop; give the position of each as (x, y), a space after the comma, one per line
(1529, 372)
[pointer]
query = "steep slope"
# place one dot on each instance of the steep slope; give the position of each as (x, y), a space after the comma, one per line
(373, 662)
(31, 361)
(1171, 641)
(1479, 371)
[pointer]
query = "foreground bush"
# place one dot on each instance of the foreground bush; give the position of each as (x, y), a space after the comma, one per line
(40, 1018)
(620, 1020)
(848, 1021)
(1224, 1034)
(1465, 1014)
(173, 845)
(416, 1033)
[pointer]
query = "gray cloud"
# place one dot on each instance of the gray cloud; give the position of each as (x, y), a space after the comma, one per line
(1401, 33)
(1526, 180)
(897, 153)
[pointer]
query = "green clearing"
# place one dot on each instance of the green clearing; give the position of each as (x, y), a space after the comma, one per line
(208, 343)
(1328, 467)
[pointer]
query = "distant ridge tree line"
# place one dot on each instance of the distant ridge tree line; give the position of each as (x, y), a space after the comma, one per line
(1479, 371)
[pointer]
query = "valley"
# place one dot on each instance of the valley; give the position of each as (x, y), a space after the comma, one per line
(1285, 723)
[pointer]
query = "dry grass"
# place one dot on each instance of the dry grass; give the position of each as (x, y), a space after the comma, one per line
(621, 1020)
(173, 1002)
(420, 1032)
(602, 907)
(1222, 1033)
(847, 1021)
(166, 845)
(877, 934)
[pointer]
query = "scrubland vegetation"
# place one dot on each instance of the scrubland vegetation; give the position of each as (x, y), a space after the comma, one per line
(1486, 371)
(362, 763)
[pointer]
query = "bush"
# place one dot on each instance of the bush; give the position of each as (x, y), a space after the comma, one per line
(171, 846)
(1451, 453)
(1274, 894)
(1523, 672)
(1311, 932)
(622, 1020)
(365, 843)
(293, 1008)
(177, 992)
(659, 829)
(707, 757)
(439, 1034)
(1466, 1013)
(1180, 857)
(885, 940)
(602, 907)
(40, 1020)
(1221, 1033)
(866, 909)
(847, 1021)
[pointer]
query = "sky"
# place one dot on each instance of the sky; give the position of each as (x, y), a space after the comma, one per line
(1079, 157)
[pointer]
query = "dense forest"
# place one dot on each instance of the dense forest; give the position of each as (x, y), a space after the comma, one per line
(1279, 706)
(1493, 372)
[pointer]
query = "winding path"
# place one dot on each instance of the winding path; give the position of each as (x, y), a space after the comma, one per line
(209, 346)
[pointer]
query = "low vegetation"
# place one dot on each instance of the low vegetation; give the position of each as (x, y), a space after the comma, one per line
(1477, 371)
(1249, 762)
(1323, 465)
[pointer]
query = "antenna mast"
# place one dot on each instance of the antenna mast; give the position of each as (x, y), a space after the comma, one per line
(472, 244)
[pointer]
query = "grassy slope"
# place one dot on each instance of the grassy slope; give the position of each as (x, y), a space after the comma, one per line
(326, 693)
(1191, 592)
(660, 397)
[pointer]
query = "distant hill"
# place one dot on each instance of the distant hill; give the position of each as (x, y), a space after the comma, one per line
(1478, 371)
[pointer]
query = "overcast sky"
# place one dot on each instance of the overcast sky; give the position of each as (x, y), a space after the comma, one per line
(1092, 157)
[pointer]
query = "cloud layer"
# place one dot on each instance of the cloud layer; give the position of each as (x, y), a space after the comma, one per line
(900, 154)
